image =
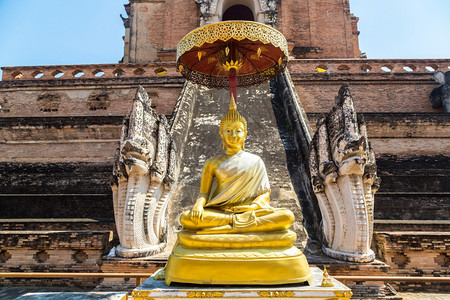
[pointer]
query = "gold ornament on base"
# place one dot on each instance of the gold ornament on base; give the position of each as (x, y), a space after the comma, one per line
(326, 280)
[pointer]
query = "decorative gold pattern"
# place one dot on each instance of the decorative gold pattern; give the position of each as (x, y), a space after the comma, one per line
(276, 294)
(237, 30)
(200, 54)
(344, 294)
(275, 253)
(141, 295)
(243, 81)
(205, 294)
(232, 65)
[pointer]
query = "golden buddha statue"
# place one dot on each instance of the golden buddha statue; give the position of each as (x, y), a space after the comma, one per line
(232, 235)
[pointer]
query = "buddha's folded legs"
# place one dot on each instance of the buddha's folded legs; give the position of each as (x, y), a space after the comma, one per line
(211, 218)
(218, 222)
(279, 219)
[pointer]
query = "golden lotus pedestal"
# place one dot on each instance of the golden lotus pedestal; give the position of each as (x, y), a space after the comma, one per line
(235, 259)
(237, 266)
(157, 289)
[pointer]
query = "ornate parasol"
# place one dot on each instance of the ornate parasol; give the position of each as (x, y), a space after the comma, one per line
(232, 54)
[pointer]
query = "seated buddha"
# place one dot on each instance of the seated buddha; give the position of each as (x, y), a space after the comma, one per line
(232, 235)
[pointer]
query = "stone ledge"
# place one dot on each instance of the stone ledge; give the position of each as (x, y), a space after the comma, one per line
(412, 241)
(59, 122)
(39, 224)
(55, 239)
(411, 225)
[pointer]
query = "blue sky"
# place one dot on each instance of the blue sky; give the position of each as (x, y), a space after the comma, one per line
(52, 32)
(403, 28)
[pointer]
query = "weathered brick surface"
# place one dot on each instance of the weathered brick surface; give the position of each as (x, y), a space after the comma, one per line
(54, 240)
(56, 190)
(413, 187)
(366, 289)
(52, 251)
(157, 26)
(52, 224)
(325, 24)
(316, 96)
(399, 241)
(406, 134)
(114, 265)
(91, 97)
(411, 225)
(322, 28)
(55, 178)
(57, 206)
(416, 253)
(60, 128)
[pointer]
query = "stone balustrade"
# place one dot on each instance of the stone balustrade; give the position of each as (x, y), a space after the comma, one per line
(62, 72)
(305, 66)
(360, 66)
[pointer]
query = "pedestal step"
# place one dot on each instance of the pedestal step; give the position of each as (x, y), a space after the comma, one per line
(155, 289)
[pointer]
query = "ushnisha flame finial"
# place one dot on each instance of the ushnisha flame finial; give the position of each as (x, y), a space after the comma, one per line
(232, 116)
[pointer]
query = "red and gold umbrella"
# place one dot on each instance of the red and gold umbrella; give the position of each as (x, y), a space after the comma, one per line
(232, 54)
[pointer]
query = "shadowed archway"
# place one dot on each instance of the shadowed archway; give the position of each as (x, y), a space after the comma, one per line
(238, 12)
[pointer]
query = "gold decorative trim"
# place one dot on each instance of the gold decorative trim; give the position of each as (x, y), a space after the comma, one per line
(243, 81)
(205, 294)
(141, 295)
(276, 294)
(275, 239)
(344, 294)
(237, 30)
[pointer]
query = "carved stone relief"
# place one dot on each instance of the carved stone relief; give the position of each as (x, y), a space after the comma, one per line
(344, 179)
(49, 102)
(98, 101)
(209, 10)
(143, 179)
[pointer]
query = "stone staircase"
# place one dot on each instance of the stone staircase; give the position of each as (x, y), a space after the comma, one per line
(412, 226)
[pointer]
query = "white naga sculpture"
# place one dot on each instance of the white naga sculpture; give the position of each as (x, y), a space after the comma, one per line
(144, 171)
(343, 175)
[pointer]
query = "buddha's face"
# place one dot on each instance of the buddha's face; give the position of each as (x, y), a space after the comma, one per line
(233, 134)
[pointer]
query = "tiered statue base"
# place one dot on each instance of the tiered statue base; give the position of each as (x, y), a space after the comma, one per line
(237, 259)
(156, 289)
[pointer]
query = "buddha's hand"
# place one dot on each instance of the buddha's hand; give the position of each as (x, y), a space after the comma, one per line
(242, 208)
(197, 212)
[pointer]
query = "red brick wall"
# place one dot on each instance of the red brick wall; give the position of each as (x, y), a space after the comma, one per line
(370, 96)
(159, 25)
(322, 23)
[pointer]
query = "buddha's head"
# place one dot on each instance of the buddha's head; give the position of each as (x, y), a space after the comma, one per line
(233, 128)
